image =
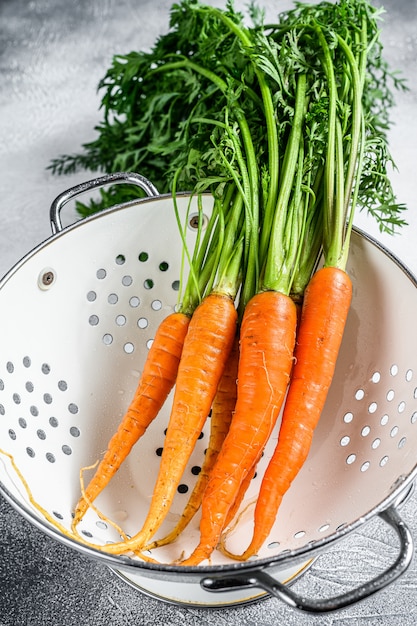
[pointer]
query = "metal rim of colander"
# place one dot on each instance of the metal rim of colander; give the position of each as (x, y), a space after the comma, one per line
(297, 555)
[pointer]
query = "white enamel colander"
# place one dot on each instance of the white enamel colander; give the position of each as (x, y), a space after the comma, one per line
(77, 316)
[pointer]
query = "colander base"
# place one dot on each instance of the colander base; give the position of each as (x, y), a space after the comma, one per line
(193, 595)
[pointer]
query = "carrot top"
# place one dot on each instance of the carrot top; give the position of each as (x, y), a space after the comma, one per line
(214, 58)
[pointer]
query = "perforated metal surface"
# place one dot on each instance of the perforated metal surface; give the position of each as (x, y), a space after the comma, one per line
(77, 316)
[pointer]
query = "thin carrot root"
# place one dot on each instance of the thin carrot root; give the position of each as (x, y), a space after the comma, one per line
(94, 508)
(221, 415)
(206, 349)
(240, 497)
(326, 305)
(267, 340)
(45, 514)
(157, 380)
(230, 526)
(50, 518)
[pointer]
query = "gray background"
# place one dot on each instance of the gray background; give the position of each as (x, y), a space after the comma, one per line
(52, 55)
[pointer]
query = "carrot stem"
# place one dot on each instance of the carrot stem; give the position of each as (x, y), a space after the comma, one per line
(281, 252)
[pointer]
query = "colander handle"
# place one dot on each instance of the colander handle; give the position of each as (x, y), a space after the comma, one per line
(259, 578)
(130, 178)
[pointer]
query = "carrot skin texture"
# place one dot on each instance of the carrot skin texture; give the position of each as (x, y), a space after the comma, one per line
(221, 415)
(206, 349)
(326, 305)
(267, 340)
(156, 381)
(244, 486)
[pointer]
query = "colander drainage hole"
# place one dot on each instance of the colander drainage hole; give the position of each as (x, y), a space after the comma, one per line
(376, 377)
(299, 534)
(156, 305)
(102, 525)
(36, 410)
(393, 369)
(384, 420)
(93, 320)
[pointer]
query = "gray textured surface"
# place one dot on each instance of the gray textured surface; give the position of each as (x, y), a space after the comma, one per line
(52, 55)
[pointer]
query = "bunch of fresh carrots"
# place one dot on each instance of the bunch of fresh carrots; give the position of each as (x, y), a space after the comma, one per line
(285, 124)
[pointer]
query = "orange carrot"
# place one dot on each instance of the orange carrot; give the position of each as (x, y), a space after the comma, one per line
(244, 485)
(234, 509)
(206, 349)
(267, 340)
(325, 309)
(221, 415)
(157, 379)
